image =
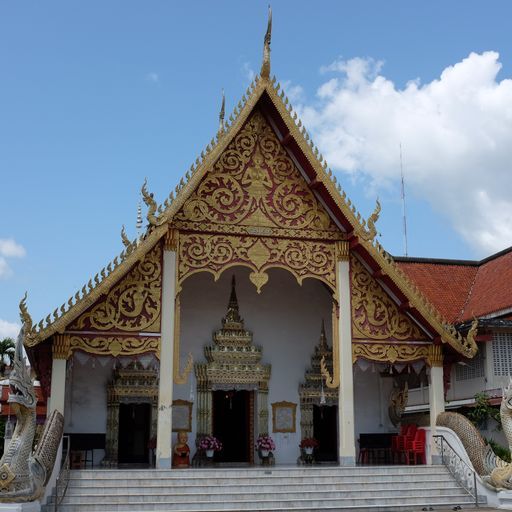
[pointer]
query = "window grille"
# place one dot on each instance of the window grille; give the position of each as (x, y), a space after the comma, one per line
(473, 369)
(502, 353)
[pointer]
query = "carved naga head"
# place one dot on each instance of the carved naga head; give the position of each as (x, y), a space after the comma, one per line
(20, 383)
(507, 395)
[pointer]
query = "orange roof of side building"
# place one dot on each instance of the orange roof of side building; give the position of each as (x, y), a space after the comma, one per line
(463, 289)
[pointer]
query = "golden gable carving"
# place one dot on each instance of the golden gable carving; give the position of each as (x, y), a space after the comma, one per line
(374, 315)
(255, 184)
(131, 305)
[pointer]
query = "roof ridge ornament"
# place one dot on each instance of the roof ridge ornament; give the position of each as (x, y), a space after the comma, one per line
(124, 238)
(151, 204)
(222, 113)
(370, 233)
(265, 66)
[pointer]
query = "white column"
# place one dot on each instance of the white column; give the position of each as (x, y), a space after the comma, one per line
(347, 448)
(60, 351)
(164, 423)
(435, 390)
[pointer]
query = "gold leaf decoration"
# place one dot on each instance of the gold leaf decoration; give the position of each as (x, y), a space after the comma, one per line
(255, 184)
(115, 345)
(387, 353)
(375, 315)
(131, 305)
(216, 253)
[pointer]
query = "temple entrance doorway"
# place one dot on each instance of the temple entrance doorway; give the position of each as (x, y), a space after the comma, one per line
(233, 424)
(325, 430)
(134, 430)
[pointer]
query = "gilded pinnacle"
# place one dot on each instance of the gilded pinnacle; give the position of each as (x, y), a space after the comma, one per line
(265, 66)
(222, 113)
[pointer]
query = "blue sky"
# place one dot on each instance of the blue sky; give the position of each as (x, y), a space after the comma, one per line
(95, 96)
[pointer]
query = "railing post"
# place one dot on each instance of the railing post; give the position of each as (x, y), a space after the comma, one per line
(476, 489)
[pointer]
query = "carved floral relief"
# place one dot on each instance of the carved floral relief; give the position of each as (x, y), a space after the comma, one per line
(375, 316)
(131, 305)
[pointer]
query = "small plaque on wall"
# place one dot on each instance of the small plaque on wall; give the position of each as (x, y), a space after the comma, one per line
(283, 416)
(181, 416)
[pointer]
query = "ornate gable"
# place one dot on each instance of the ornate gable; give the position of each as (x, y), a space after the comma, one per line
(374, 315)
(132, 305)
(255, 188)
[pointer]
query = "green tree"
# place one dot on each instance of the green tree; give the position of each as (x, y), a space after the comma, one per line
(7, 348)
(483, 411)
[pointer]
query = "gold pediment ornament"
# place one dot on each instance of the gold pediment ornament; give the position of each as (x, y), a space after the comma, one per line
(131, 305)
(114, 345)
(375, 315)
(216, 253)
(390, 353)
(255, 184)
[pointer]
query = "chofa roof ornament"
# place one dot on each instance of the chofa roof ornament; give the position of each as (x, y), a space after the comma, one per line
(265, 66)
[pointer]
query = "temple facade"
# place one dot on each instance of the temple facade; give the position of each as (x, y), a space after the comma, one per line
(257, 301)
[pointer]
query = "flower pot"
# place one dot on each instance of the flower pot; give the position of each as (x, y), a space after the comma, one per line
(209, 453)
(264, 453)
(309, 450)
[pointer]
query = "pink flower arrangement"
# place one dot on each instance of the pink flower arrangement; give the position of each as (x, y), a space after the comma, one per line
(265, 442)
(210, 443)
(309, 442)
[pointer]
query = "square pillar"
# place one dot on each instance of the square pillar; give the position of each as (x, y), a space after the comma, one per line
(435, 393)
(346, 426)
(165, 386)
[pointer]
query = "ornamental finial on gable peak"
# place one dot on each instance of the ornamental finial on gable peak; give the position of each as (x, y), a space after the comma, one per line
(222, 113)
(265, 66)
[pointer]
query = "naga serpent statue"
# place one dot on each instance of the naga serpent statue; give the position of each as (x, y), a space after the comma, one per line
(495, 472)
(24, 473)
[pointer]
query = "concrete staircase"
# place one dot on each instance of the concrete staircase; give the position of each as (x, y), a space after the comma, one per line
(364, 488)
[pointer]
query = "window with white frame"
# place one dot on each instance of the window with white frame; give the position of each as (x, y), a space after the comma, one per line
(473, 368)
(502, 353)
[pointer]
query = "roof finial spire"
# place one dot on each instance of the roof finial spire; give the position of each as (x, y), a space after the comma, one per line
(265, 66)
(222, 112)
(323, 337)
(232, 320)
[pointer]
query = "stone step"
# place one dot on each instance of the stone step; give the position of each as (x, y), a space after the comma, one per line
(251, 472)
(265, 503)
(232, 495)
(178, 483)
(359, 486)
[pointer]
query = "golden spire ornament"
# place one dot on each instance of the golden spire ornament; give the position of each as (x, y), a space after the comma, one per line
(222, 113)
(265, 66)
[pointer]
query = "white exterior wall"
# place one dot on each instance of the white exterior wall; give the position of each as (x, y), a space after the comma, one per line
(371, 399)
(86, 400)
(285, 320)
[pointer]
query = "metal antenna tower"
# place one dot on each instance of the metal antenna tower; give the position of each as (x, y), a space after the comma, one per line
(404, 211)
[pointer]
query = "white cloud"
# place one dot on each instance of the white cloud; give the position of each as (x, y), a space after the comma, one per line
(248, 72)
(295, 93)
(153, 77)
(9, 248)
(8, 329)
(455, 132)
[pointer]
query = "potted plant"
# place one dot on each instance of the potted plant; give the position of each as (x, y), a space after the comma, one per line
(308, 444)
(210, 444)
(265, 444)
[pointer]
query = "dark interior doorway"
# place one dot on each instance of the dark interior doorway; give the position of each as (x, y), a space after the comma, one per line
(325, 430)
(232, 425)
(134, 428)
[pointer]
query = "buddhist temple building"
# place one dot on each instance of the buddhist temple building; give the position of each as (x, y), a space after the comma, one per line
(258, 301)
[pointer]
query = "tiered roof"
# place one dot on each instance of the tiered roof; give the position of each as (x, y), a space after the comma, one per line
(414, 295)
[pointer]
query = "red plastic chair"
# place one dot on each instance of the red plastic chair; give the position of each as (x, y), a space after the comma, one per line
(415, 449)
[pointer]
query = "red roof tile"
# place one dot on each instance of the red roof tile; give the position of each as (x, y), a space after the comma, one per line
(462, 290)
(446, 286)
(492, 291)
